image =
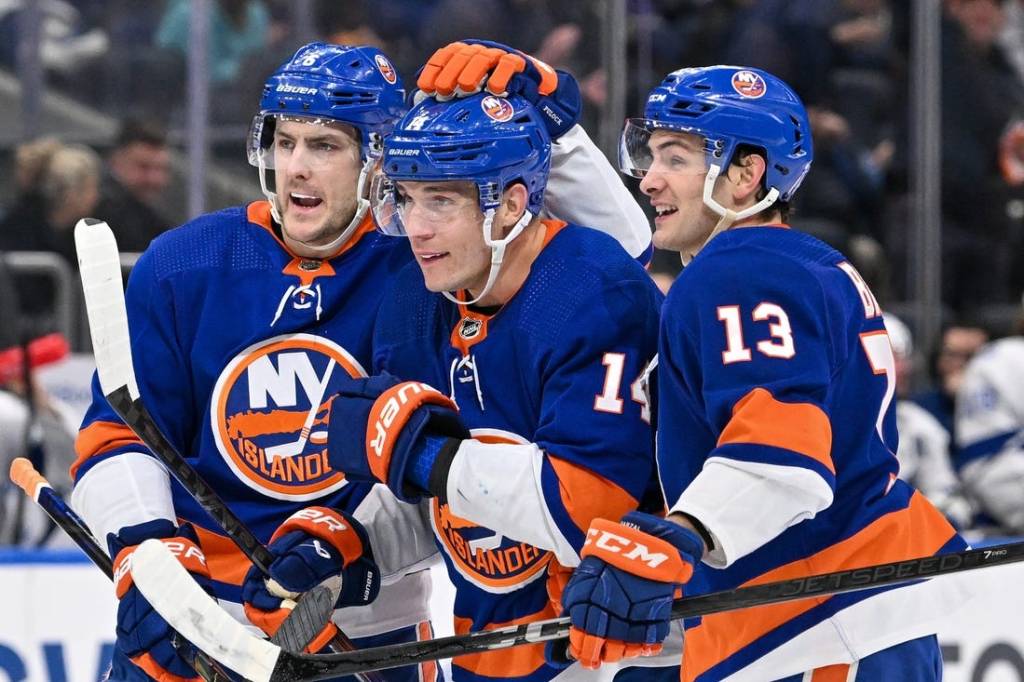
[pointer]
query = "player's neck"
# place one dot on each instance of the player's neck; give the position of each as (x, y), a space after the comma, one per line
(519, 256)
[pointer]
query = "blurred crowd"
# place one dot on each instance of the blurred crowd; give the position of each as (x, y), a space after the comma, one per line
(848, 59)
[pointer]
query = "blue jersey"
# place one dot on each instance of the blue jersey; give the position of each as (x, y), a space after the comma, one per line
(237, 344)
(548, 383)
(775, 370)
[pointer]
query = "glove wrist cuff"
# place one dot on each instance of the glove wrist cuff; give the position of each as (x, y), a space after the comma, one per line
(185, 551)
(329, 525)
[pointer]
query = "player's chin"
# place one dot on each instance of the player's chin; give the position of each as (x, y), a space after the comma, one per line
(666, 238)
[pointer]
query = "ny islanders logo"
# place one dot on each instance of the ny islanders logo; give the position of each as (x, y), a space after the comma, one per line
(269, 414)
(482, 556)
(385, 68)
(749, 84)
(497, 108)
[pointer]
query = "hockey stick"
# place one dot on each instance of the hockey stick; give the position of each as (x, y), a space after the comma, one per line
(49, 500)
(180, 600)
(100, 268)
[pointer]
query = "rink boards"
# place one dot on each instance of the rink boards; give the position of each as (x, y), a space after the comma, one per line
(58, 618)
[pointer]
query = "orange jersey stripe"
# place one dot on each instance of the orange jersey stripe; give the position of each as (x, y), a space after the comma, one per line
(831, 673)
(100, 437)
(759, 419)
(515, 662)
(919, 530)
(258, 212)
(588, 496)
(227, 563)
(428, 669)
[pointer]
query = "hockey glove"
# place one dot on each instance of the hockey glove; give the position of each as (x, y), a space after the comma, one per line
(620, 596)
(313, 545)
(467, 67)
(142, 633)
(383, 430)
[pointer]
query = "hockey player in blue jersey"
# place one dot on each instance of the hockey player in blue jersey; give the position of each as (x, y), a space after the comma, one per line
(537, 331)
(243, 322)
(776, 428)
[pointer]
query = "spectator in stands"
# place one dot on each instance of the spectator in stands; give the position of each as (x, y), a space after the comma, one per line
(981, 97)
(59, 185)
(19, 230)
(960, 341)
(237, 28)
(137, 174)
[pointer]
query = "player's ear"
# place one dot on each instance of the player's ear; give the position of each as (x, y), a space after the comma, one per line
(514, 201)
(746, 174)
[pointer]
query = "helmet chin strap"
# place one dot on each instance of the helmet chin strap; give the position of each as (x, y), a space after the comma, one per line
(728, 217)
(497, 253)
(362, 206)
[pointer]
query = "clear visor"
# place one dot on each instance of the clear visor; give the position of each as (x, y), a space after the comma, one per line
(645, 148)
(317, 143)
(424, 203)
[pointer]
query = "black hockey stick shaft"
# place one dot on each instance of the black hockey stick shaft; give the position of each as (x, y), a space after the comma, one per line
(294, 667)
(36, 487)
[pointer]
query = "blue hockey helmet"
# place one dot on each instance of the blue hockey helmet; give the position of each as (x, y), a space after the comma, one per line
(491, 141)
(324, 83)
(356, 85)
(727, 106)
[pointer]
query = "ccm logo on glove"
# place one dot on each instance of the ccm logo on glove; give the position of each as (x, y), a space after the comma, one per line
(633, 550)
(402, 401)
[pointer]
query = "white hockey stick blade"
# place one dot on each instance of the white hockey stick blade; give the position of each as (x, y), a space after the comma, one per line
(100, 266)
(196, 616)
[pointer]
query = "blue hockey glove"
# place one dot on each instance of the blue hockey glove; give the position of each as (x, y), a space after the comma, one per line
(313, 545)
(384, 430)
(620, 596)
(142, 633)
(467, 67)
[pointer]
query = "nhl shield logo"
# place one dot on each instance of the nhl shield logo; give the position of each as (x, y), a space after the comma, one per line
(385, 68)
(269, 413)
(470, 328)
(749, 84)
(497, 108)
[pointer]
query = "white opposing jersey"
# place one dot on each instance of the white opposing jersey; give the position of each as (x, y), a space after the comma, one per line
(989, 422)
(924, 457)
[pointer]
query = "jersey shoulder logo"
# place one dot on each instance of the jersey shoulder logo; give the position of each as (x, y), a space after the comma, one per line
(483, 557)
(268, 414)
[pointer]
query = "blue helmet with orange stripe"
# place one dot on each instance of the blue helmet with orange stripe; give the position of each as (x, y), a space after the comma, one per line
(323, 83)
(492, 141)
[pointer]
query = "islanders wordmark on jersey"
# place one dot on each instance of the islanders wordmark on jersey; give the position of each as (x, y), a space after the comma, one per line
(482, 556)
(268, 412)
